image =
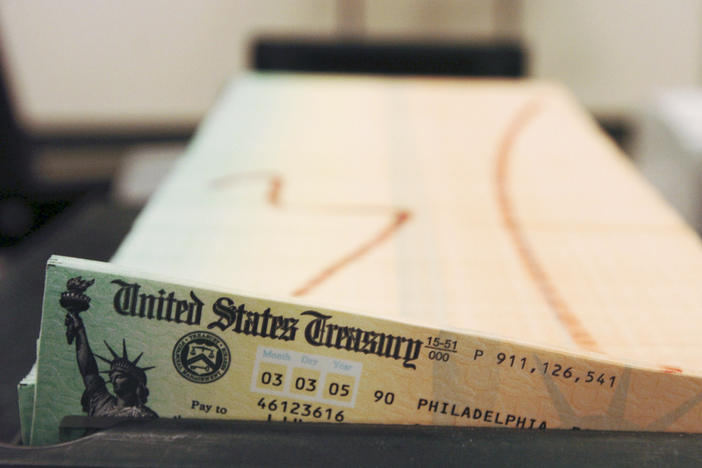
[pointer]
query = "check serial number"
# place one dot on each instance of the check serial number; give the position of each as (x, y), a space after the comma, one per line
(298, 410)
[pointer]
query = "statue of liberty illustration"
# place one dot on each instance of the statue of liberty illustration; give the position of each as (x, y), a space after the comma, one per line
(128, 380)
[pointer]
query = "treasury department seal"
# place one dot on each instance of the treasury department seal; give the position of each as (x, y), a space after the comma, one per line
(201, 357)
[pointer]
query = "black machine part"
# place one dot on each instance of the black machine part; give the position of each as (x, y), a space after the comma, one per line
(213, 443)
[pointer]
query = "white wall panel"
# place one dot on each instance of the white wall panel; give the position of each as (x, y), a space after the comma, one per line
(133, 62)
(99, 63)
(613, 54)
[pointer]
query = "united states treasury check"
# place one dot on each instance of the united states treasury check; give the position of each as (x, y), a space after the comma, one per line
(115, 342)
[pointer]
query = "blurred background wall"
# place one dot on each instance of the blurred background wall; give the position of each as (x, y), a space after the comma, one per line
(81, 65)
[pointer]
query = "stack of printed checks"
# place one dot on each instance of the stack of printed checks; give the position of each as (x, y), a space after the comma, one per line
(399, 251)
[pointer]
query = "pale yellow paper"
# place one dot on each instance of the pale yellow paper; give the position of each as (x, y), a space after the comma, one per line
(522, 219)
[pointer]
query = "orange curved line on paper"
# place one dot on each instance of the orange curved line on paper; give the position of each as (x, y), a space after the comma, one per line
(273, 197)
(400, 218)
(528, 257)
(275, 183)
